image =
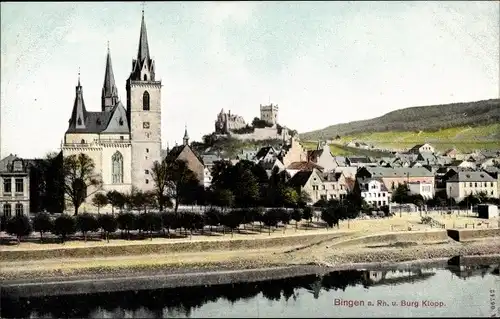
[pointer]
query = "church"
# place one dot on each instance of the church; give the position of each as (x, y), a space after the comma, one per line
(123, 141)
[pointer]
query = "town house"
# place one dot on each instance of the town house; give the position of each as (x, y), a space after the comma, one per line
(394, 176)
(309, 182)
(373, 191)
(14, 190)
(323, 157)
(463, 184)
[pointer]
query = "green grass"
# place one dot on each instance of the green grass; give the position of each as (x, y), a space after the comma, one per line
(463, 138)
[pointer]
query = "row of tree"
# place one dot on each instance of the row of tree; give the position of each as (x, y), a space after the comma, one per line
(149, 222)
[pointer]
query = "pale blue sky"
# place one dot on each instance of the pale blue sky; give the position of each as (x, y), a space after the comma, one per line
(321, 62)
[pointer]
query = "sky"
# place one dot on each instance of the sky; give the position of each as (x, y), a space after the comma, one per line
(323, 63)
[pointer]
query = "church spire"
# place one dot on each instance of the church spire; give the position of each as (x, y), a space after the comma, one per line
(143, 51)
(143, 68)
(185, 139)
(109, 96)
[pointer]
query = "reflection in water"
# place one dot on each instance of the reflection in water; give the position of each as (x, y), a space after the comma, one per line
(177, 302)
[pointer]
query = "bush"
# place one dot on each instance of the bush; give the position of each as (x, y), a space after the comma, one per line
(42, 223)
(108, 224)
(64, 225)
(86, 223)
(19, 226)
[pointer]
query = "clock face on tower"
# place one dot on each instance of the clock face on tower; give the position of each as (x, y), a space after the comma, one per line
(145, 124)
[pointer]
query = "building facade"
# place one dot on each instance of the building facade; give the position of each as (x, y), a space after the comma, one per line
(122, 142)
(14, 186)
(227, 122)
(463, 184)
(374, 192)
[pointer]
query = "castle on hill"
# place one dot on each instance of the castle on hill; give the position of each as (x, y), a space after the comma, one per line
(227, 122)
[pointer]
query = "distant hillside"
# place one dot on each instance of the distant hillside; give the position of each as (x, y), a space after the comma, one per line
(421, 118)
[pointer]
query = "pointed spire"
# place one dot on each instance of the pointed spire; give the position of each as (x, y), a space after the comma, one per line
(143, 51)
(185, 139)
(77, 120)
(109, 96)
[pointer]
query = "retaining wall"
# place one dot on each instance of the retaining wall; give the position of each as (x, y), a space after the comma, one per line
(164, 248)
(471, 234)
(391, 238)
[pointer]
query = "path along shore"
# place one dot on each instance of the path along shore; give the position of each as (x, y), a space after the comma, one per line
(350, 251)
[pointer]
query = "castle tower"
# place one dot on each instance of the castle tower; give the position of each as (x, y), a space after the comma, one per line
(269, 113)
(109, 95)
(144, 114)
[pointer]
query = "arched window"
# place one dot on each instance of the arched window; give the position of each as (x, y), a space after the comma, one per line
(82, 141)
(19, 209)
(145, 77)
(117, 168)
(7, 210)
(145, 101)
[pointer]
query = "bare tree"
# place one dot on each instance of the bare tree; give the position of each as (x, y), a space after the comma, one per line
(159, 172)
(79, 176)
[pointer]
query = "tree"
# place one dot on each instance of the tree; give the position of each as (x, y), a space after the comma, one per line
(108, 224)
(160, 175)
(99, 200)
(150, 222)
(19, 226)
(285, 217)
(47, 184)
(271, 218)
(232, 219)
(139, 200)
(400, 194)
(42, 224)
(307, 213)
(213, 217)
(223, 198)
(180, 181)
(64, 225)
(246, 187)
(86, 223)
(297, 216)
(116, 199)
(289, 197)
(304, 199)
(331, 215)
(126, 221)
(79, 176)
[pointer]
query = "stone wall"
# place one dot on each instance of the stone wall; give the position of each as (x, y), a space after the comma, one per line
(260, 134)
(471, 234)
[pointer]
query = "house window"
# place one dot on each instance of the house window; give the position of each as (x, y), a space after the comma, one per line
(18, 166)
(121, 138)
(19, 185)
(145, 101)
(82, 141)
(145, 77)
(491, 184)
(19, 209)
(146, 172)
(145, 125)
(7, 185)
(7, 210)
(323, 197)
(470, 184)
(117, 168)
(383, 194)
(491, 193)
(475, 184)
(147, 150)
(147, 181)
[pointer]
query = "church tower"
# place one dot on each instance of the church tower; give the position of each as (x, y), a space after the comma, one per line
(144, 114)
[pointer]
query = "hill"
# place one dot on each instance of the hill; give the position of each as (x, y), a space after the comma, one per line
(416, 119)
(463, 138)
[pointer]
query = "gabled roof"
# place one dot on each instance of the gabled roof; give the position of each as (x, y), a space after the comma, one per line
(471, 177)
(304, 166)
(264, 151)
(398, 172)
(177, 150)
(363, 182)
(300, 178)
(97, 122)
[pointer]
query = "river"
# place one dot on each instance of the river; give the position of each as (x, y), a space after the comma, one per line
(450, 291)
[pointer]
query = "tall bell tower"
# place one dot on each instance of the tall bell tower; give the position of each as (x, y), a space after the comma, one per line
(144, 114)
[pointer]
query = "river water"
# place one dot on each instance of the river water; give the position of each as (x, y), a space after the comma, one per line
(413, 292)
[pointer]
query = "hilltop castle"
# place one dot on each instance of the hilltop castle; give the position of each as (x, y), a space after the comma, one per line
(123, 142)
(227, 122)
